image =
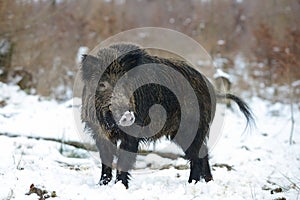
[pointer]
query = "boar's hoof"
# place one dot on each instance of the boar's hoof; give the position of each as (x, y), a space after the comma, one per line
(195, 178)
(105, 179)
(123, 177)
(208, 178)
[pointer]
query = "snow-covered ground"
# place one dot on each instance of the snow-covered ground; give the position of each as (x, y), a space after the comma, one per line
(262, 160)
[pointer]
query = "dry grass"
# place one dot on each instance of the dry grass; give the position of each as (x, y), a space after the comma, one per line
(46, 36)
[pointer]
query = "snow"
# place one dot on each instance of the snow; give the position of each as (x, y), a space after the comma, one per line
(296, 83)
(262, 159)
(203, 63)
(4, 46)
(219, 61)
(219, 73)
(171, 20)
(221, 42)
(32, 116)
(81, 51)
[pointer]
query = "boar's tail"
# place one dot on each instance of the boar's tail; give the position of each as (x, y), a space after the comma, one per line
(245, 109)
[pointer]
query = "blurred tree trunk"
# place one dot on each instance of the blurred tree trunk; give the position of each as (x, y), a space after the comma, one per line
(6, 51)
(292, 112)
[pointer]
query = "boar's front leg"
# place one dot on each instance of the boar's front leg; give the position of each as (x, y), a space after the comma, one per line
(107, 150)
(126, 158)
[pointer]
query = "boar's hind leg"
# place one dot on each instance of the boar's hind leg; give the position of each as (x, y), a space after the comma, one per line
(126, 159)
(107, 151)
(197, 153)
(206, 173)
(200, 168)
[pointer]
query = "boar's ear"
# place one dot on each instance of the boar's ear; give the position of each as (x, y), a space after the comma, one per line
(83, 57)
(88, 66)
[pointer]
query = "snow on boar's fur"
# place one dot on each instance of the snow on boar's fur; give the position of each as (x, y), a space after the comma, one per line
(101, 73)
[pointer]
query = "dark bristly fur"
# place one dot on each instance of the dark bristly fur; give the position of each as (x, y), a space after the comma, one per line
(114, 62)
(245, 109)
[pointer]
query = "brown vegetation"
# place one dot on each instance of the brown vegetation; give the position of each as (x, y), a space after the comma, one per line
(46, 35)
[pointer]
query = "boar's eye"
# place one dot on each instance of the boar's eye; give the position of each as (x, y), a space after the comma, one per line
(102, 86)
